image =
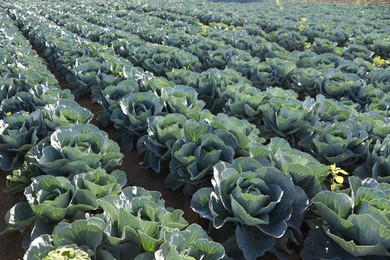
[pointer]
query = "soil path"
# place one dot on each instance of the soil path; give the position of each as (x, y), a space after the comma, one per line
(10, 244)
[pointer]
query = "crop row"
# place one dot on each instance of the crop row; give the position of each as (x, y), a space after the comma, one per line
(69, 173)
(301, 129)
(331, 28)
(354, 82)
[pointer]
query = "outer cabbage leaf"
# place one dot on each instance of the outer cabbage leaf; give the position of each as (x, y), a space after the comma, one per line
(358, 220)
(319, 246)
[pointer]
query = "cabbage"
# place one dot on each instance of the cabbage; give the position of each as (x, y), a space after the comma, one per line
(68, 151)
(18, 134)
(194, 156)
(356, 223)
(66, 253)
(258, 202)
(131, 117)
(163, 131)
(182, 100)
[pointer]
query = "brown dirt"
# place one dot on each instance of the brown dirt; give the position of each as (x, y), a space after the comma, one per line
(11, 244)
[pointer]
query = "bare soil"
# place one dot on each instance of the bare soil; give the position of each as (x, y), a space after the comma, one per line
(10, 244)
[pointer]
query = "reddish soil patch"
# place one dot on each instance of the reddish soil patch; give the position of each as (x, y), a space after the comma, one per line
(11, 244)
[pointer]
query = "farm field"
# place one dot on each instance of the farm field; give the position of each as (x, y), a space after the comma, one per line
(194, 130)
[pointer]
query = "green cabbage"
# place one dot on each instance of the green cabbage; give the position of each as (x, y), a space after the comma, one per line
(163, 131)
(18, 134)
(194, 156)
(132, 114)
(356, 222)
(67, 253)
(68, 151)
(254, 201)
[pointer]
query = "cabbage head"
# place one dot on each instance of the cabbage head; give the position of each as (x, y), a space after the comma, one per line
(18, 134)
(248, 104)
(182, 100)
(76, 149)
(343, 143)
(257, 203)
(67, 253)
(132, 114)
(289, 118)
(306, 81)
(191, 243)
(163, 131)
(330, 110)
(337, 84)
(22, 101)
(236, 133)
(194, 156)
(43, 248)
(304, 169)
(49, 200)
(136, 221)
(81, 234)
(66, 113)
(110, 97)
